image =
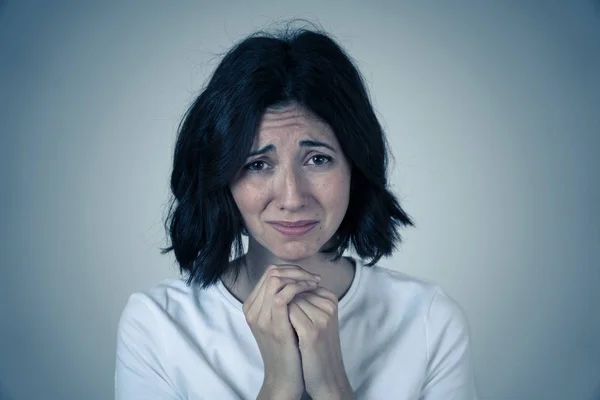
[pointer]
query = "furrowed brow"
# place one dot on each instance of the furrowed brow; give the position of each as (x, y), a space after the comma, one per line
(315, 143)
(264, 150)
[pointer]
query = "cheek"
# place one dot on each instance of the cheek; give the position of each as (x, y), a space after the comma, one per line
(335, 192)
(248, 198)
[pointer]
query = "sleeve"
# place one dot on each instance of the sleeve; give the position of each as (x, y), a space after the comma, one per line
(139, 371)
(449, 374)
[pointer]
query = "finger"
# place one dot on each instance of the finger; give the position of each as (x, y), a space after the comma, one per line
(325, 293)
(257, 295)
(296, 272)
(289, 291)
(284, 271)
(315, 304)
(310, 309)
(274, 282)
(267, 287)
(298, 318)
(257, 288)
(285, 296)
(251, 300)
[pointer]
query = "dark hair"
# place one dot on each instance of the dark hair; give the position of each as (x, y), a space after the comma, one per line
(266, 70)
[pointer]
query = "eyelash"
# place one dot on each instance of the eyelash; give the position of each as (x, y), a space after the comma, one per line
(328, 160)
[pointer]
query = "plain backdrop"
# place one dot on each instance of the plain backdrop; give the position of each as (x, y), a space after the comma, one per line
(492, 111)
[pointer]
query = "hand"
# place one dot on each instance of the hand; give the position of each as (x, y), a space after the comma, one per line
(266, 311)
(314, 316)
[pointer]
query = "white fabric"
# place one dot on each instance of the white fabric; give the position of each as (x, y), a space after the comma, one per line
(402, 338)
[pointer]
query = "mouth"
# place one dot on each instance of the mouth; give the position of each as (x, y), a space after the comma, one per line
(293, 229)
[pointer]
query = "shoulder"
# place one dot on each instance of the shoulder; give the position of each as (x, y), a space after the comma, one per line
(449, 372)
(446, 323)
(145, 330)
(440, 323)
(162, 296)
(163, 304)
(443, 307)
(399, 286)
(396, 277)
(423, 297)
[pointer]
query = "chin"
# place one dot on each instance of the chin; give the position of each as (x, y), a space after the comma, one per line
(294, 252)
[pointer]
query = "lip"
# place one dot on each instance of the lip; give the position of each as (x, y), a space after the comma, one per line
(293, 224)
(293, 229)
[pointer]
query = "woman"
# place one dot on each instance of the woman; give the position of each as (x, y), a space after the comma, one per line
(283, 146)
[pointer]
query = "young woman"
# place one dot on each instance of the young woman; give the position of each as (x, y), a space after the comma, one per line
(283, 146)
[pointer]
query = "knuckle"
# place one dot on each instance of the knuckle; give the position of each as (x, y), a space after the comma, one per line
(322, 322)
(250, 318)
(274, 280)
(280, 300)
(329, 308)
(263, 325)
(271, 268)
(261, 328)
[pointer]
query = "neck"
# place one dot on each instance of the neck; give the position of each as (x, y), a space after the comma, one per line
(335, 276)
(258, 258)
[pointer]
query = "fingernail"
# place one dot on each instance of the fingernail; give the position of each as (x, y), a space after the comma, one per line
(317, 278)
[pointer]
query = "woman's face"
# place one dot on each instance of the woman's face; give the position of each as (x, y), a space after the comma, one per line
(296, 174)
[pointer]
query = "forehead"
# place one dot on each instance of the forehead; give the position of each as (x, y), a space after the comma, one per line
(292, 120)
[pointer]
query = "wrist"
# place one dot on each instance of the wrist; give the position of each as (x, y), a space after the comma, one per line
(345, 393)
(272, 392)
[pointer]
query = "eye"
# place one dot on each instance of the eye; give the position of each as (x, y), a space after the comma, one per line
(256, 166)
(321, 159)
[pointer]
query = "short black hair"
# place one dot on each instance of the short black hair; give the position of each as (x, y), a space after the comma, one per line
(264, 70)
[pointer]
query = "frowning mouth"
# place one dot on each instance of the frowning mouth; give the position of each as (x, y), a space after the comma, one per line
(293, 228)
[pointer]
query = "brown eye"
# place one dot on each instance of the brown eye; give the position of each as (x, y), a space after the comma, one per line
(321, 159)
(256, 166)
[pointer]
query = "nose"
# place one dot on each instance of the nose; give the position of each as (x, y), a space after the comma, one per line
(290, 190)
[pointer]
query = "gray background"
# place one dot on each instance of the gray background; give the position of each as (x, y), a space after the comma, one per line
(492, 110)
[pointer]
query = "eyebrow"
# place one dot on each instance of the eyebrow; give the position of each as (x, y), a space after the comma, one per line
(315, 143)
(303, 143)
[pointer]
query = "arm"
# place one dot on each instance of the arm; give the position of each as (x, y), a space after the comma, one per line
(449, 368)
(139, 372)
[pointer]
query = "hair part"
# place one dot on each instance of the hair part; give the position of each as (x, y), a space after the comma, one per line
(272, 70)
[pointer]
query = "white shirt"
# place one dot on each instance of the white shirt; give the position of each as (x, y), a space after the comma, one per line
(401, 338)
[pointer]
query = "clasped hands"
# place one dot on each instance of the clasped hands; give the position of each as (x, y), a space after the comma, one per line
(314, 316)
